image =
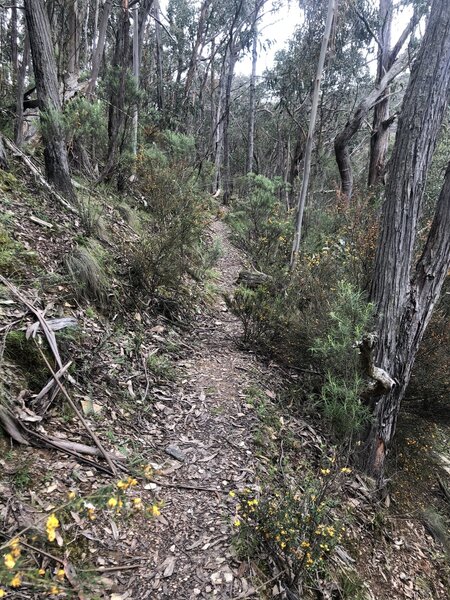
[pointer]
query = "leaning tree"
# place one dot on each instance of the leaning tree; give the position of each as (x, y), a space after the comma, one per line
(405, 289)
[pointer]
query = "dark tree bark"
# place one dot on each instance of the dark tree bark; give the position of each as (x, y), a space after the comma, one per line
(116, 114)
(144, 10)
(405, 294)
(3, 158)
(44, 65)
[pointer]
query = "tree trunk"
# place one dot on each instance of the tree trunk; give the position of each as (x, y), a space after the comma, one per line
(159, 58)
(252, 97)
(73, 47)
(342, 140)
(144, 10)
(44, 65)
(116, 114)
(98, 50)
(380, 132)
(227, 182)
(18, 123)
(404, 294)
(192, 68)
(331, 11)
(136, 65)
(14, 49)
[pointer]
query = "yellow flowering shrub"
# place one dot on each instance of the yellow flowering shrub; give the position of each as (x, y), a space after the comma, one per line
(18, 568)
(295, 529)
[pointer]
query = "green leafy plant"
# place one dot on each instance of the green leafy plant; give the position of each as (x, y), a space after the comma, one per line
(295, 529)
(260, 224)
(340, 396)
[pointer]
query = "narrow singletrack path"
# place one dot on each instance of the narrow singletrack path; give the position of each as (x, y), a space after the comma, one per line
(210, 423)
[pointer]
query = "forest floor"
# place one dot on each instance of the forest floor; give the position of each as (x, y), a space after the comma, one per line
(200, 428)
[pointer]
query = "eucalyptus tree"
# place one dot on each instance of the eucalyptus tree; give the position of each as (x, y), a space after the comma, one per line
(404, 289)
(45, 74)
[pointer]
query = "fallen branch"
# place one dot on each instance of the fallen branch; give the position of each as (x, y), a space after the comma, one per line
(49, 333)
(183, 486)
(79, 415)
(52, 382)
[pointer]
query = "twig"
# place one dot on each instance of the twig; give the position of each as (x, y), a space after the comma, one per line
(111, 569)
(80, 416)
(183, 486)
(43, 552)
(49, 333)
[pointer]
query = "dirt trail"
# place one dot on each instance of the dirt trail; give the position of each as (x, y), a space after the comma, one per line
(211, 425)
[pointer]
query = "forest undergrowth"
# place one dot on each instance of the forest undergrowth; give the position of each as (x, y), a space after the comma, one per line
(186, 452)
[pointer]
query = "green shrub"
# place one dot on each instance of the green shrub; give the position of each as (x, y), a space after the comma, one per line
(349, 317)
(292, 531)
(260, 223)
(171, 231)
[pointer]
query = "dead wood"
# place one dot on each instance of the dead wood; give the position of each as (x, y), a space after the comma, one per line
(78, 413)
(383, 382)
(253, 279)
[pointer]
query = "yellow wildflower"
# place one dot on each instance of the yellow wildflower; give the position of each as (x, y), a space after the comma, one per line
(346, 470)
(155, 510)
(112, 502)
(137, 503)
(15, 543)
(232, 494)
(9, 560)
(52, 525)
(60, 574)
(132, 481)
(237, 522)
(325, 471)
(54, 590)
(41, 572)
(15, 552)
(16, 581)
(305, 544)
(122, 485)
(2, 593)
(71, 495)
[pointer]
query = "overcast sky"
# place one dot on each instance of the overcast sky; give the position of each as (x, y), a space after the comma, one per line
(277, 28)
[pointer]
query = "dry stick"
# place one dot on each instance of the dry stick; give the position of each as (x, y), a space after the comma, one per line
(49, 333)
(181, 486)
(111, 569)
(43, 552)
(79, 415)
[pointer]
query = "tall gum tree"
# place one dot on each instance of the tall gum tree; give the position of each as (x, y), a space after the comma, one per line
(45, 74)
(405, 292)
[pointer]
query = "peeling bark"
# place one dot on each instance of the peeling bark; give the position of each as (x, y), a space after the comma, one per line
(405, 294)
